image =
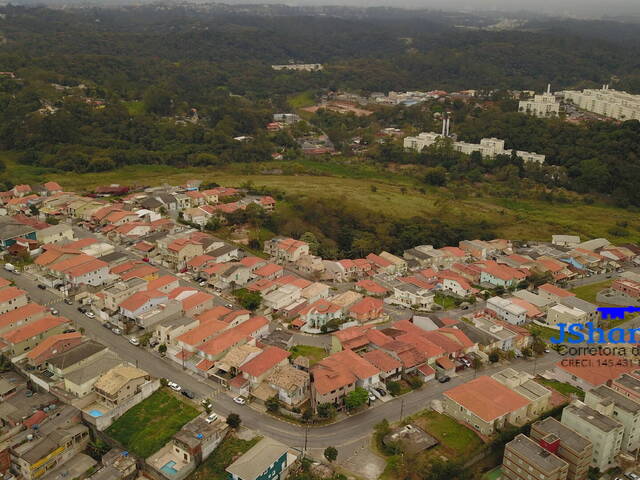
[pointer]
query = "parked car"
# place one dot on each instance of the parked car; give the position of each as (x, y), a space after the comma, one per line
(188, 394)
(107, 325)
(28, 393)
(203, 283)
(68, 301)
(53, 311)
(372, 397)
(42, 287)
(116, 330)
(444, 379)
(69, 330)
(632, 476)
(229, 305)
(211, 418)
(134, 341)
(153, 343)
(381, 391)
(90, 314)
(465, 362)
(239, 400)
(82, 309)
(174, 386)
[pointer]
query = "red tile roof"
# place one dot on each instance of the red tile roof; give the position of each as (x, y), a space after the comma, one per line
(557, 291)
(371, 287)
(50, 342)
(215, 313)
(32, 329)
(487, 398)
(596, 370)
(26, 311)
(228, 338)
(139, 299)
(37, 418)
(341, 369)
(160, 282)
(87, 267)
(366, 305)
(140, 272)
(268, 270)
(251, 261)
(264, 361)
(10, 293)
(381, 360)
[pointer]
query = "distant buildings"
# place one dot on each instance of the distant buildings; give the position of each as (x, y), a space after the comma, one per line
(488, 147)
(606, 102)
(299, 67)
(545, 105)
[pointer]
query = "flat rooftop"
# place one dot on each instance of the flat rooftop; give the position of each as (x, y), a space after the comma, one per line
(568, 437)
(534, 454)
(593, 417)
(621, 401)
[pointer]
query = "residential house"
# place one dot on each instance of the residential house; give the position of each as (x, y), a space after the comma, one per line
(561, 314)
(55, 233)
(368, 309)
(21, 339)
(119, 385)
(337, 375)
(565, 240)
(318, 314)
(12, 298)
(553, 293)
(506, 309)
(266, 460)
(500, 275)
(486, 405)
(412, 296)
(524, 384)
(286, 249)
(52, 346)
(290, 384)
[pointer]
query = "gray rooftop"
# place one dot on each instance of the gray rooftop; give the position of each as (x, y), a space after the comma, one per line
(606, 393)
(629, 382)
(76, 354)
(593, 417)
(534, 454)
(258, 459)
(11, 228)
(578, 303)
(568, 437)
(94, 369)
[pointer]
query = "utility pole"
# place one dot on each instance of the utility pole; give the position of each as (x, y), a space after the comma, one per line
(306, 437)
(401, 409)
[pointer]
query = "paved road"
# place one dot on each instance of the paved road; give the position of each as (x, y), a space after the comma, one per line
(347, 435)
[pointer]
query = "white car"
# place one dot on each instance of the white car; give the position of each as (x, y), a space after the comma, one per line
(211, 418)
(203, 283)
(229, 305)
(372, 397)
(53, 311)
(239, 400)
(174, 386)
(134, 341)
(116, 330)
(90, 314)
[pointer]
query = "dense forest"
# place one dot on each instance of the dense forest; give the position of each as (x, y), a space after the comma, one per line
(95, 89)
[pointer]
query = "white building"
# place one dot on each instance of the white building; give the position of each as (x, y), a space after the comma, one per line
(488, 147)
(621, 408)
(545, 105)
(564, 314)
(605, 433)
(608, 103)
(508, 311)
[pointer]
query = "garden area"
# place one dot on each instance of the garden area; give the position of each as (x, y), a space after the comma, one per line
(145, 428)
(314, 354)
(564, 388)
(213, 468)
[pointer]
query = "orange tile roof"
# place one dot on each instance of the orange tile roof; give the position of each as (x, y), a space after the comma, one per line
(144, 246)
(10, 293)
(264, 361)
(366, 305)
(372, 287)
(251, 261)
(138, 299)
(233, 336)
(378, 260)
(196, 299)
(596, 369)
(268, 269)
(381, 360)
(26, 311)
(487, 398)
(341, 369)
(215, 313)
(32, 329)
(200, 260)
(202, 332)
(50, 342)
(160, 282)
(320, 306)
(205, 365)
(4, 282)
(557, 291)
(87, 267)
(63, 265)
(140, 272)
(261, 284)
(81, 243)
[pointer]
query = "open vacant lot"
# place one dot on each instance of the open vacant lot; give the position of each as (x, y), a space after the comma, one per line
(213, 468)
(146, 427)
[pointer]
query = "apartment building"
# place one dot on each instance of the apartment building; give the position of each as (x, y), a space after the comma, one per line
(605, 433)
(544, 105)
(621, 408)
(607, 102)
(507, 310)
(573, 448)
(525, 459)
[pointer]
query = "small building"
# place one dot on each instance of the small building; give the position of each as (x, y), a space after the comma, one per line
(525, 459)
(267, 459)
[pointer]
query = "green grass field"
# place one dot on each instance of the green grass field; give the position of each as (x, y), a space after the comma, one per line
(314, 354)
(145, 428)
(564, 388)
(454, 437)
(589, 292)
(397, 193)
(213, 468)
